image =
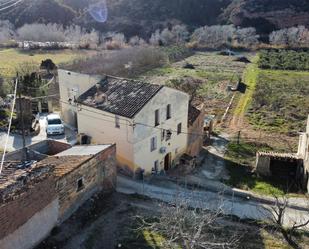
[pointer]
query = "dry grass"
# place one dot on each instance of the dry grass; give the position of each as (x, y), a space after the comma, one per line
(10, 59)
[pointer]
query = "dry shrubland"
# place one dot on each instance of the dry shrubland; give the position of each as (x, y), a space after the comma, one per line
(126, 62)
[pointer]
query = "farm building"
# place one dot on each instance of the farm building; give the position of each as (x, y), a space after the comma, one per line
(41, 193)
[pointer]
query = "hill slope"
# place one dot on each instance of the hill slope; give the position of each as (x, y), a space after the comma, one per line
(141, 17)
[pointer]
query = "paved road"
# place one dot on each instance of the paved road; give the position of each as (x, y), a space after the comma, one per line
(15, 141)
(240, 207)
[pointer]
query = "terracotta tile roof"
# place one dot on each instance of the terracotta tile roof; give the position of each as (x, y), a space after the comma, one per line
(64, 164)
(13, 173)
(122, 97)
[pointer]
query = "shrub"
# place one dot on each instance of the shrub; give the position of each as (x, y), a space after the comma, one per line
(126, 62)
(284, 60)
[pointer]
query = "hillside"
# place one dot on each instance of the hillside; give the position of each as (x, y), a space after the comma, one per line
(142, 17)
(267, 15)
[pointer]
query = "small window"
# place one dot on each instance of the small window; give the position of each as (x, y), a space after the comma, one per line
(156, 166)
(157, 117)
(80, 184)
(168, 135)
(162, 135)
(179, 128)
(168, 112)
(103, 173)
(117, 122)
(153, 144)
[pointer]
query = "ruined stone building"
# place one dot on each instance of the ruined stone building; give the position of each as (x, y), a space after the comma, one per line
(42, 193)
(292, 166)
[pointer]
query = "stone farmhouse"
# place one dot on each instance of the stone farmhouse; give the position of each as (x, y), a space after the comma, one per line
(37, 195)
(148, 123)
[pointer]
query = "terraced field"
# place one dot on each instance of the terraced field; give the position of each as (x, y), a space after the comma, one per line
(215, 71)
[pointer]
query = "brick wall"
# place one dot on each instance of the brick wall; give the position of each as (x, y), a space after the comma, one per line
(97, 174)
(17, 212)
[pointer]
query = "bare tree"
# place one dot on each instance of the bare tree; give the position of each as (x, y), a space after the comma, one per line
(190, 228)
(41, 32)
(113, 40)
(155, 38)
(246, 37)
(52, 32)
(137, 41)
(7, 32)
(292, 37)
(178, 34)
(277, 214)
(224, 35)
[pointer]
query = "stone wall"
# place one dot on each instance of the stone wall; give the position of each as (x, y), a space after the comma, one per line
(262, 166)
(98, 173)
(46, 147)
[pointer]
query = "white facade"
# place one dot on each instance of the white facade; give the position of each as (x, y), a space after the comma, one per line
(166, 151)
(133, 136)
(71, 86)
(303, 152)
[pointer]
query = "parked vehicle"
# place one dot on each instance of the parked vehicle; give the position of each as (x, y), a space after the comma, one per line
(54, 125)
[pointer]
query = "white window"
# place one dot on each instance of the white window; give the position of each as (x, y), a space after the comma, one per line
(153, 144)
(168, 112)
(157, 117)
(117, 122)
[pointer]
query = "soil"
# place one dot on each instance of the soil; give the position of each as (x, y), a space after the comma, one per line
(99, 223)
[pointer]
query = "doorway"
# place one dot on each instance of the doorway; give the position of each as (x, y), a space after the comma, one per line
(167, 162)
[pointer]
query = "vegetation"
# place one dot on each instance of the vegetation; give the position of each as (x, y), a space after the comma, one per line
(127, 62)
(250, 79)
(244, 152)
(291, 37)
(240, 160)
(284, 60)
(12, 58)
(4, 114)
(214, 72)
(280, 101)
(255, 236)
(224, 36)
